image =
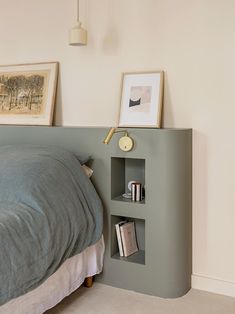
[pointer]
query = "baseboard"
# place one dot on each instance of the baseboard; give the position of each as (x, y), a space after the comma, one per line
(213, 285)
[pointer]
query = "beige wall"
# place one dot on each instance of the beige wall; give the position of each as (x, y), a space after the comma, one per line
(193, 42)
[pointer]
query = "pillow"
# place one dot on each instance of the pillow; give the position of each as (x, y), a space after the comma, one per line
(88, 171)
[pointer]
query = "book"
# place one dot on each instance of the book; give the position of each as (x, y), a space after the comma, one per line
(119, 239)
(128, 237)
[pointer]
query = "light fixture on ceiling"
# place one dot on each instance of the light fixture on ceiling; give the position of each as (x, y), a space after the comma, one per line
(77, 34)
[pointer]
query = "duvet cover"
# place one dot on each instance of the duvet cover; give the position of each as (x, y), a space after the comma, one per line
(49, 211)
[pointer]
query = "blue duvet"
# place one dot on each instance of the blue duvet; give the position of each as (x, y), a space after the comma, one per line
(49, 211)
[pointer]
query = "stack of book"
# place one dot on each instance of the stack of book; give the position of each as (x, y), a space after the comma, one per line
(126, 238)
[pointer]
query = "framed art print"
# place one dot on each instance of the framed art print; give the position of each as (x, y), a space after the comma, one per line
(141, 101)
(27, 93)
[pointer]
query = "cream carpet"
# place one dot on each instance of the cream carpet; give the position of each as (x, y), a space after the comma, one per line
(102, 299)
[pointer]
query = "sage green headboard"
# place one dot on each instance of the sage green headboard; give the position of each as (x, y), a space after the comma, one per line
(162, 160)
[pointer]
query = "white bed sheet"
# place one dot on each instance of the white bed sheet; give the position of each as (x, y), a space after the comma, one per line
(63, 282)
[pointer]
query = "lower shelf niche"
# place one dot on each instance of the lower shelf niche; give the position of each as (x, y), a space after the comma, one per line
(139, 256)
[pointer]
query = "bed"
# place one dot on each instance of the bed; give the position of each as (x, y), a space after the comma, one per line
(51, 221)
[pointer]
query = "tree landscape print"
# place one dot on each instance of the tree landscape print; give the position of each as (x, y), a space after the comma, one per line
(23, 93)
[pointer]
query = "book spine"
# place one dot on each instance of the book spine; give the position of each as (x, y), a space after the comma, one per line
(119, 240)
(128, 238)
(133, 192)
(138, 192)
(122, 233)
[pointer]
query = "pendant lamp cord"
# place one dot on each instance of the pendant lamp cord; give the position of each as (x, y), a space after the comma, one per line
(77, 10)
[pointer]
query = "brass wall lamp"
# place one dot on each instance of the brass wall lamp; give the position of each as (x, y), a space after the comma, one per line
(125, 143)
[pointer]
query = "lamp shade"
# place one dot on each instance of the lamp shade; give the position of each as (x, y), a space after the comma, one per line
(77, 35)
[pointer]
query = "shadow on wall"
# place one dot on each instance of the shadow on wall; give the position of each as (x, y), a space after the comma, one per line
(58, 109)
(110, 41)
(167, 105)
(200, 201)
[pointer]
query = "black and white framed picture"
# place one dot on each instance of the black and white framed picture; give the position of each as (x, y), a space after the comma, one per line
(141, 101)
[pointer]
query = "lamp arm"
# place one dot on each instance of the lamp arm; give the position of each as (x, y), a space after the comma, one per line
(118, 131)
(110, 134)
(78, 11)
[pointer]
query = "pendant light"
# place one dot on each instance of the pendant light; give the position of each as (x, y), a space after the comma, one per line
(77, 34)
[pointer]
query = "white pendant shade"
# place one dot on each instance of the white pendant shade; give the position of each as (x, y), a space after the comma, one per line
(78, 35)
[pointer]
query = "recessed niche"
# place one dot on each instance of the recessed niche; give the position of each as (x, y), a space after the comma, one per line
(124, 170)
(138, 257)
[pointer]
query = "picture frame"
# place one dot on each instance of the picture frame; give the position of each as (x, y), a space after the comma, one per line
(27, 93)
(141, 100)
